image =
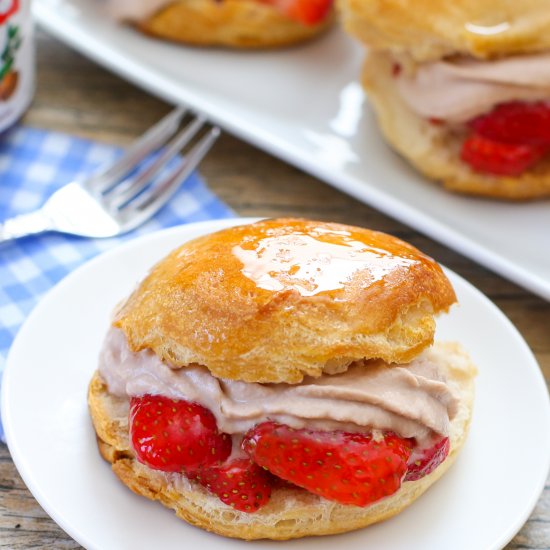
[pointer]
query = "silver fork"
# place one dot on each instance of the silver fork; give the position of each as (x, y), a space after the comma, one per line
(106, 204)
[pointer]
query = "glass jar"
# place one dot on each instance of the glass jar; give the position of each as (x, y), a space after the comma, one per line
(16, 60)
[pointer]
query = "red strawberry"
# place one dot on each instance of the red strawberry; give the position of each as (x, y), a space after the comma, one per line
(425, 462)
(501, 159)
(308, 12)
(350, 468)
(516, 122)
(173, 435)
(239, 483)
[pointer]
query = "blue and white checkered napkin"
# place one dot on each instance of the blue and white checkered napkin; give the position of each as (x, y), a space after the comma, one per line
(33, 164)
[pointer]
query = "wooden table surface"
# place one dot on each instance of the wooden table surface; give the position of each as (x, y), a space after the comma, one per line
(76, 96)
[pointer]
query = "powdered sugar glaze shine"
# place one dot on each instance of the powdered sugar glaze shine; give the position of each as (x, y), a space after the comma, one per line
(315, 261)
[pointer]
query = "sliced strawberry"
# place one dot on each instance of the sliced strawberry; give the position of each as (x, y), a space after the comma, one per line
(501, 159)
(172, 435)
(349, 468)
(516, 122)
(239, 483)
(308, 12)
(425, 462)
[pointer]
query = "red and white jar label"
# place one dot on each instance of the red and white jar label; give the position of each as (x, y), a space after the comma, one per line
(16, 60)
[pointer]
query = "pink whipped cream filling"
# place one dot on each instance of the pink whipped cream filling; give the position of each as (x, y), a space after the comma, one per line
(460, 89)
(412, 400)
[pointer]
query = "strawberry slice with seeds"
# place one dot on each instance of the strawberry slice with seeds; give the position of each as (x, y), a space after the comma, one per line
(516, 122)
(350, 468)
(501, 159)
(175, 435)
(425, 462)
(239, 483)
(308, 12)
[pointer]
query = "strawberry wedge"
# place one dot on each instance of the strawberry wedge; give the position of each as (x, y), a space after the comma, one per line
(238, 483)
(175, 435)
(509, 140)
(308, 12)
(349, 468)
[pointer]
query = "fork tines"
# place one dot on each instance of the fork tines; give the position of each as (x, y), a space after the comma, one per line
(126, 189)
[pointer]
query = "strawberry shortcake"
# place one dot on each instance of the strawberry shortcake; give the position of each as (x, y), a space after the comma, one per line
(279, 379)
(231, 23)
(462, 89)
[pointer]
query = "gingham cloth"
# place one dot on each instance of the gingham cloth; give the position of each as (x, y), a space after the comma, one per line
(33, 164)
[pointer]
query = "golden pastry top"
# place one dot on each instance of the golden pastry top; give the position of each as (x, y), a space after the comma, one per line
(431, 29)
(278, 299)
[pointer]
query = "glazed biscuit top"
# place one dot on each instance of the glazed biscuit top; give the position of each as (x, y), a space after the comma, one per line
(280, 299)
(431, 29)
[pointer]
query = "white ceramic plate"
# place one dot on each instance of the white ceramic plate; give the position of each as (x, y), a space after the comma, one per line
(305, 105)
(480, 503)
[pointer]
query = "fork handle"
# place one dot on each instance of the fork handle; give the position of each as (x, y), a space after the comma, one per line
(23, 225)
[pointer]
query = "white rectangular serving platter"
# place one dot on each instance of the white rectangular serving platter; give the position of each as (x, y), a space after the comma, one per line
(305, 105)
